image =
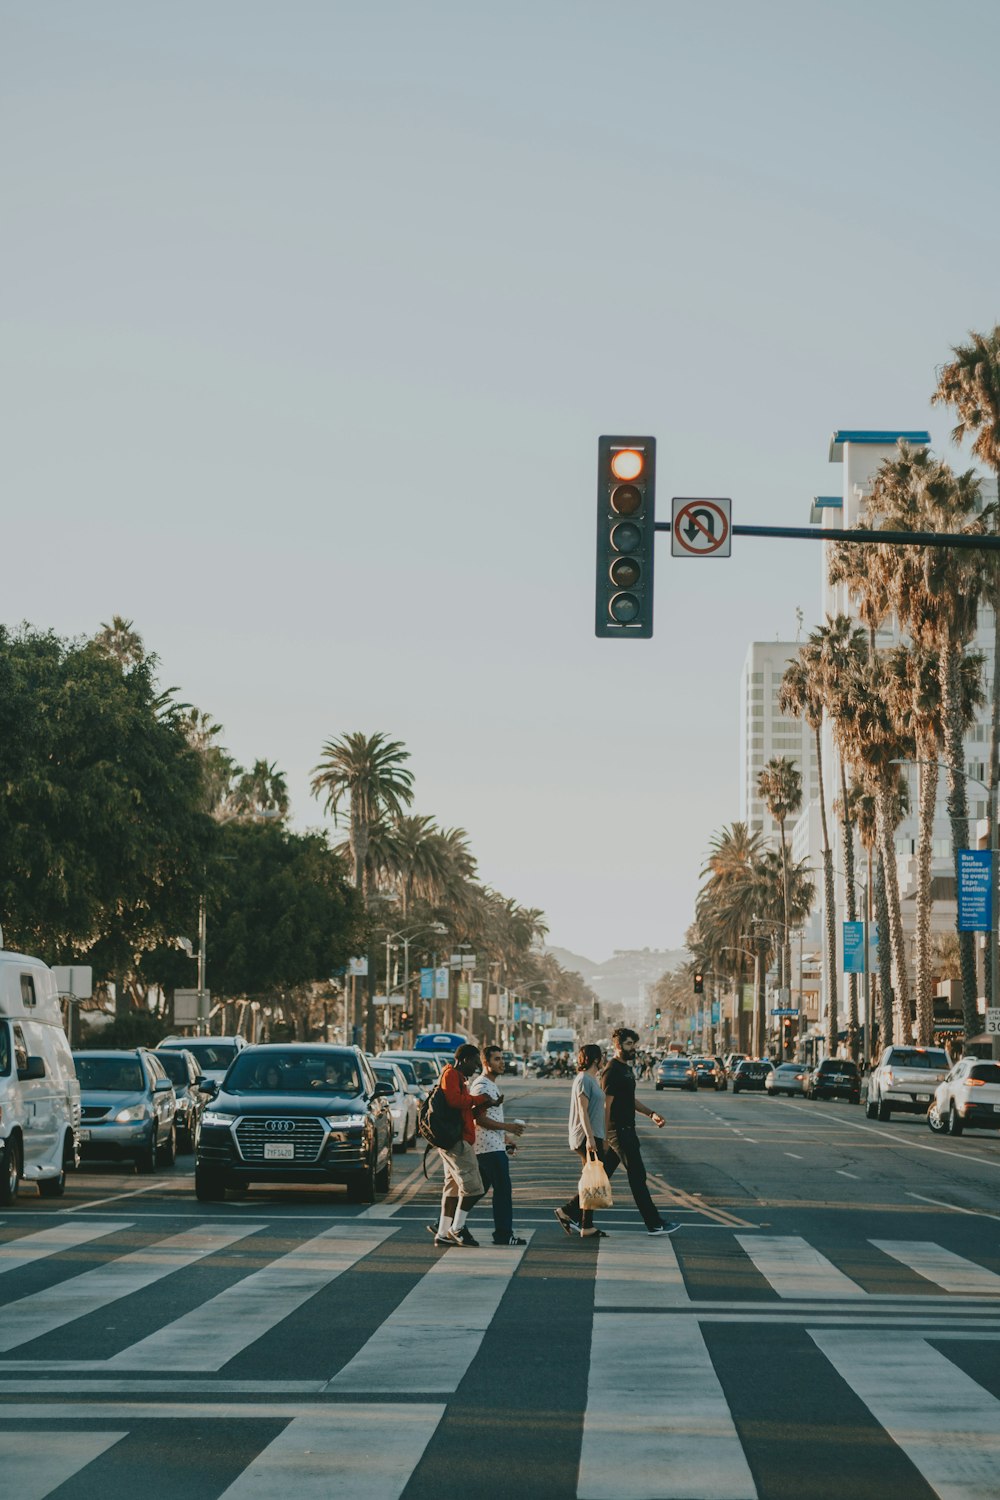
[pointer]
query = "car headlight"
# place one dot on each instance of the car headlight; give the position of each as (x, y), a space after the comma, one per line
(133, 1112)
(216, 1117)
(345, 1122)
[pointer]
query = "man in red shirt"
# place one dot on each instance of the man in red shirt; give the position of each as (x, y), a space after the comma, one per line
(463, 1185)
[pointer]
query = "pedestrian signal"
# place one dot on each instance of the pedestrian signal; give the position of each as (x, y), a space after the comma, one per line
(626, 504)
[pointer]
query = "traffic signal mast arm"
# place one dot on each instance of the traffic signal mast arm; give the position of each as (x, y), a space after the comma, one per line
(986, 542)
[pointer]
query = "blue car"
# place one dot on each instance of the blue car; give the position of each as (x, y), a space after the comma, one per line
(127, 1108)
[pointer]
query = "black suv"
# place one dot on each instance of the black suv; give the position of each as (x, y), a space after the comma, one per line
(835, 1078)
(752, 1073)
(296, 1113)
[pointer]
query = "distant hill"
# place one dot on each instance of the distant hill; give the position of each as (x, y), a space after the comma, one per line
(622, 977)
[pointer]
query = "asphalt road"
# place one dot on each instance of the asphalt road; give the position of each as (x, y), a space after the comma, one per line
(823, 1324)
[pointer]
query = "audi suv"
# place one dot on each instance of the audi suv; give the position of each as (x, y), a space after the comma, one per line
(300, 1112)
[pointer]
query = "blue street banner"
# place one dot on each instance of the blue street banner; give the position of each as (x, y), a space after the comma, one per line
(975, 890)
(715, 1012)
(427, 984)
(854, 947)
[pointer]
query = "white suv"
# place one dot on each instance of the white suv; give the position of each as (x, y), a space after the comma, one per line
(213, 1054)
(968, 1098)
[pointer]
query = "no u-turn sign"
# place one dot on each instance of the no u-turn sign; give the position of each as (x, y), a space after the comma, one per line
(701, 528)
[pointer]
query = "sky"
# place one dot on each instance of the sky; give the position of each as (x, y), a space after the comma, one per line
(312, 315)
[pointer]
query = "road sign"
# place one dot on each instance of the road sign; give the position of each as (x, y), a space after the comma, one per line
(785, 1010)
(701, 528)
(186, 1006)
(975, 889)
(993, 1020)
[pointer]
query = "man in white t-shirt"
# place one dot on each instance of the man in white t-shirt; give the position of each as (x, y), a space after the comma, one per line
(491, 1147)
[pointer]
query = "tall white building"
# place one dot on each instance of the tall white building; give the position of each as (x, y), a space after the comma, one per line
(765, 732)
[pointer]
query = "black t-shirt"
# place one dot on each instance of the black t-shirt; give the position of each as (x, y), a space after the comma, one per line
(618, 1080)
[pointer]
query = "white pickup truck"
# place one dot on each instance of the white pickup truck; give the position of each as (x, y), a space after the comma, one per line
(905, 1078)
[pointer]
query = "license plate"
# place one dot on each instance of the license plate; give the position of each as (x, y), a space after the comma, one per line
(996, 1109)
(841, 1078)
(279, 1151)
(923, 1098)
(84, 1135)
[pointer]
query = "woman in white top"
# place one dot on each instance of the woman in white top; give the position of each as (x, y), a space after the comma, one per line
(586, 1134)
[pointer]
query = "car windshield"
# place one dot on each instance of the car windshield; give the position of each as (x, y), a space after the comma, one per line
(113, 1075)
(788, 1068)
(838, 1065)
(175, 1065)
(986, 1073)
(214, 1055)
(385, 1074)
(674, 1065)
(754, 1068)
(278, 1072)
(406, 1068)
(704, 1062)
(918, 1057)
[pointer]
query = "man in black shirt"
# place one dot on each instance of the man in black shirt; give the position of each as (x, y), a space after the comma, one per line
(622, 1140)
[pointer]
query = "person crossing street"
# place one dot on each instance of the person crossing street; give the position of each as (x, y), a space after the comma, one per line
(463, 1184)
(491, 1147)
(621, 1137)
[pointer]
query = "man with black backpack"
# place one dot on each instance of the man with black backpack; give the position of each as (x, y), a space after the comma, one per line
(463, 1184)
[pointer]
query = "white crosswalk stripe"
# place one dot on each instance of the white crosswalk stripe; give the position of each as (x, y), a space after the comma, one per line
(16, 1254)
(42, 1312)
(216, 1331)
(34, 1464)
(952, 1272)
(795, 1269)
(431, 1339)
(634, 1270)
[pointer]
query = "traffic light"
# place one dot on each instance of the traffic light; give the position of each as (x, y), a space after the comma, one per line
(699, 983)
(405, 1020)
(626, 505)
(657, 1018)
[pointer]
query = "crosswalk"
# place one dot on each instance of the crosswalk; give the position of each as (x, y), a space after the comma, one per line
(104, 1322)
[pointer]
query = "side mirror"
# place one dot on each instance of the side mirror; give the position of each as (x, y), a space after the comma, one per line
(384, 1090)
(208, 1086)
(35, 1069)
(162, 1084)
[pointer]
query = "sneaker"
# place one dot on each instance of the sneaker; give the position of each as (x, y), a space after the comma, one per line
(602, 1234)
(565, 1220)
(462, 1237)
(441, 1242)
(514, 1240)
(664, 1229)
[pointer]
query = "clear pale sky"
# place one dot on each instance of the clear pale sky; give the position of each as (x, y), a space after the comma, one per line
(313, 313)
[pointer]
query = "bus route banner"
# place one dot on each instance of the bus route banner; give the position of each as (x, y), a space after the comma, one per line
(975, 890)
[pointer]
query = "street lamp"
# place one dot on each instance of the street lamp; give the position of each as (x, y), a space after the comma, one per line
(992, 794)
(407, 934)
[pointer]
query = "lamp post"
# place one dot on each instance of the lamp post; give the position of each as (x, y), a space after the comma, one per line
(992, 794)
(407, 935)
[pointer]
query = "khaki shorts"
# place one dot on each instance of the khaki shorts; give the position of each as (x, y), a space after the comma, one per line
(461, 1172)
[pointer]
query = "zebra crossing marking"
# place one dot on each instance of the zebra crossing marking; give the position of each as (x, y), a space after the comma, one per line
(795, 1269)
(437, 1328)
(42, 1312)
(944, 1267)
(34, 1464)
(633, 1266)
(944, 1421)
(651, 1421)
(213, 1333)
(15, 1254)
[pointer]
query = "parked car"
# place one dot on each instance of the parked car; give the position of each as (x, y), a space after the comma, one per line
(39, 1093)
(213, 1054)
(408, 1071)
(752, 1074)
(968, 1099)
(835, 1078)
(127, 1108)
(787, 1078)
(710, 1073)
(676, 1073)
(402, 1105)
(301, 1112)
(181, 1067)
(905, 1078)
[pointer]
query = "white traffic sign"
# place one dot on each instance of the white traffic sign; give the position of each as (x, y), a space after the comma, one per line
(993, 1020)
(701, 528)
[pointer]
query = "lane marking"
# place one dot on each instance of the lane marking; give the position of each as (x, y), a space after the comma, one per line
(625, 1263)
(77, 1208)
(432, 1337)
(898, 1140)
(795, 1269)
(657, 1427)
(977, 1213)
(842, 1173)
(943, 1267)
(793, 1156)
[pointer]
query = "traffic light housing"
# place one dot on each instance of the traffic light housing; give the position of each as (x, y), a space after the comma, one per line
(657, 1018)
(699, 983)
(405, 1020)
(626, 511)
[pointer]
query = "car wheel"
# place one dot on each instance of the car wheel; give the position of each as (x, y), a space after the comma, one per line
(404, 1144)
(361, 1188)
(209, 1186)
(52, 1187)
(146, 1159)
(168, 1154)
(383, 1179)
(955, 1123)
(659, 1086)
(10, 1172)
(934, 1119)
(884, 1112)
(869, 1107)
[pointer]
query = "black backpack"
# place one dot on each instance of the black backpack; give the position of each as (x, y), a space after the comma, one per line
(439, 1122)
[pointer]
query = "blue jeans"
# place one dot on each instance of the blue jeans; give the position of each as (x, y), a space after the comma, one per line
(494, 1168)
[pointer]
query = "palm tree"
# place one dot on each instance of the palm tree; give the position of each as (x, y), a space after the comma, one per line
(970, 383)
(727, 904)
(368, 772)
(780, 785)
(122, 641)
(262, 791)
(863, 811)
(801, 695)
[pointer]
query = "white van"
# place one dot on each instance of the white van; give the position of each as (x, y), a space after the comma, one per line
(39, 1092)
